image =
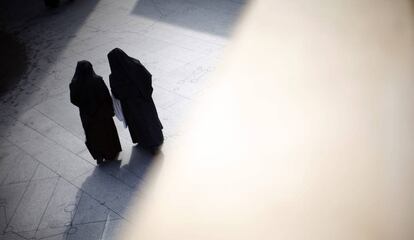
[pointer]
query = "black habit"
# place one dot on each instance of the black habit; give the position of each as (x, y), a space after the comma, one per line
(89, 92)
(131, 83)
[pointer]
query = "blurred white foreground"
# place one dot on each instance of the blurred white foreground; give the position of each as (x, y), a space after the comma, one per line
(307, 132)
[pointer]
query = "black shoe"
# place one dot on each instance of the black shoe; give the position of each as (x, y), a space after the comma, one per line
(99, 161)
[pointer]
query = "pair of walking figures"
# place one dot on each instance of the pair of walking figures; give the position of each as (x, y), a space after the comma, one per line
(131, 83)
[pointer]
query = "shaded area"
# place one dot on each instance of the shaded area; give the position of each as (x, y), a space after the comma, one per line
(45, 199)
(13, 61)
(50, 187)
(103, 204)
(93, 206)
(214, 17)
(44, 44)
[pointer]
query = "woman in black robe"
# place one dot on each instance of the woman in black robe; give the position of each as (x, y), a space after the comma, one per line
(131, 83)
(89, 92)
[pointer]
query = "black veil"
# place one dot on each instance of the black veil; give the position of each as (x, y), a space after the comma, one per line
(127, 72)
(82, 92)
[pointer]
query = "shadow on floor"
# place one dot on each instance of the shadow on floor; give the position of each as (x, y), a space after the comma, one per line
(215, 17)
(21, 19)
(13, 61)
(35, 25)
(92, 220)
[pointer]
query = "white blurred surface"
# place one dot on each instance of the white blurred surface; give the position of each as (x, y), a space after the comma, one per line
(306, 133)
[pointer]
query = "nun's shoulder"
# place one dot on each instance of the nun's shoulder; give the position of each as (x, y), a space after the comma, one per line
(136, 61)
(100, 80)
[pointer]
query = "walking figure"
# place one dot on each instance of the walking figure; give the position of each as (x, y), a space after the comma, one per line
(89, 93)
(131, 83)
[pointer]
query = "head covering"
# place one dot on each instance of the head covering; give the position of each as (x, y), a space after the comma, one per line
(82, 92)
(84, 72)
(120, 64)
(128, 72)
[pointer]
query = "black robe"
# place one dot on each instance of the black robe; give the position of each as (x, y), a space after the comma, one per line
(131, 83)
(89, 92)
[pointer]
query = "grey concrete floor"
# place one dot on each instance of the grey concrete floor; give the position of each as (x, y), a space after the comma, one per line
(50, 187)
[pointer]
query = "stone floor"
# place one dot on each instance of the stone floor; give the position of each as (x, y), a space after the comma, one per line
(50, 187)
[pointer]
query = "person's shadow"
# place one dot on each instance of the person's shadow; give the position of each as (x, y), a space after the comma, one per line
(133, 171)
(142, 160)
(108, 192)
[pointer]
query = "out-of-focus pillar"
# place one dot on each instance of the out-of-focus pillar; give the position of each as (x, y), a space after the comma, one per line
(307, 132)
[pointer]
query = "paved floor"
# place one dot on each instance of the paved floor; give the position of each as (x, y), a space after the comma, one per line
(50, 187)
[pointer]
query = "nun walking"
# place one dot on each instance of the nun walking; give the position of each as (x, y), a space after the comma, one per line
(131, 83)
(89, 93)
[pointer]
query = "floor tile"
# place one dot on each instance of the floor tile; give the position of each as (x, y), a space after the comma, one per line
(91, 231)
(10, 197)
(50, 186)
(62, 206)
(33, 204)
